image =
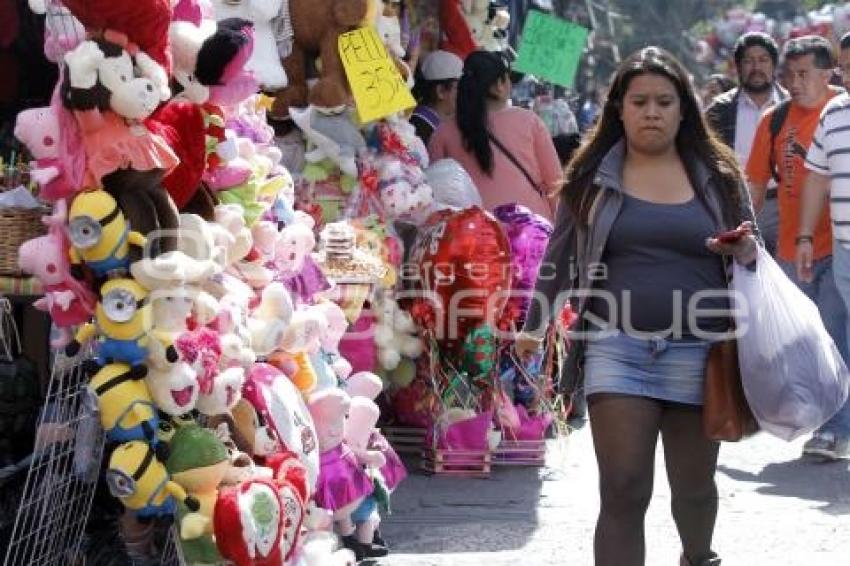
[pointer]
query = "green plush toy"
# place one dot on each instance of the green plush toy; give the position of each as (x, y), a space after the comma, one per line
(198, 462)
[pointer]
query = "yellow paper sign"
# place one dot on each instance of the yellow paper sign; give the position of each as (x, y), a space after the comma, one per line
(378, 88)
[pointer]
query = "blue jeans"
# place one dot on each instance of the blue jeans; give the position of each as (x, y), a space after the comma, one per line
(825, 292)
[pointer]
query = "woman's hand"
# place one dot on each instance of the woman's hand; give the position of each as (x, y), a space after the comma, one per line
(526, 345)
(744, 250)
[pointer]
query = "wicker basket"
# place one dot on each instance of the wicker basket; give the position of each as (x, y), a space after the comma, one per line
(17, 225)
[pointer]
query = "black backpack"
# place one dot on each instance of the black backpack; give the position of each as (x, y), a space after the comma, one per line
(777, 119)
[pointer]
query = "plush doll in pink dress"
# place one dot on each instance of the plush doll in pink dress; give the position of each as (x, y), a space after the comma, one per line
(343, 484)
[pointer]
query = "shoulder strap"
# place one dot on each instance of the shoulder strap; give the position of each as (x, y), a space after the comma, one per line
(515, 161)
(777, 119)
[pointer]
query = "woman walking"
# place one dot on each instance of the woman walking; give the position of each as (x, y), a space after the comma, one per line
(645, 197)
(507, 151)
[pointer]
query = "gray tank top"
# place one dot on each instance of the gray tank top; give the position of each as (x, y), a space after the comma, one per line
(656, 263)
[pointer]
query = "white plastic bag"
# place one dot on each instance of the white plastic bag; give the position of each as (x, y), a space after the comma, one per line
(792, 373)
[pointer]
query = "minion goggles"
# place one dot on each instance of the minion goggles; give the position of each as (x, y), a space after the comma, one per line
(86, 231)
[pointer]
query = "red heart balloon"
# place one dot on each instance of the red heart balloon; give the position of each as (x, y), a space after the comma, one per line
(464, 271)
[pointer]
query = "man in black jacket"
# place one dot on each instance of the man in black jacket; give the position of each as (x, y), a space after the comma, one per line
(735, 114)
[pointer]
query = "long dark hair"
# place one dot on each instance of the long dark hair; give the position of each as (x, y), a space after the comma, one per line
(694, 141)
(481, 70)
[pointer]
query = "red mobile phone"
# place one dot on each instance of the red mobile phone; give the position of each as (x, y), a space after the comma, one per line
(731, 236)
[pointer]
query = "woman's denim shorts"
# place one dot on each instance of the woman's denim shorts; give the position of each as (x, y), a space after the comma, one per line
(669, 370)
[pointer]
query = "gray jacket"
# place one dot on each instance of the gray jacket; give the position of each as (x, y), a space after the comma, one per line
(574, 249)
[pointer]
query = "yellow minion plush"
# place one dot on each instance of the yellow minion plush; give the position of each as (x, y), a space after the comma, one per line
(123, 318)
(141, 482)
(100, 235)
(126, 409)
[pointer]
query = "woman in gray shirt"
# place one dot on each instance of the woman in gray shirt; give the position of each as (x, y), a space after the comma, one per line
(644, 199)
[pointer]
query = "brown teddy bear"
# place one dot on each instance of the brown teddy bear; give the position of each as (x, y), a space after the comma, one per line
(317, 25)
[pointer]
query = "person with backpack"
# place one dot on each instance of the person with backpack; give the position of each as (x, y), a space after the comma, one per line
(828, 161)
(779, 151)
(735, 114)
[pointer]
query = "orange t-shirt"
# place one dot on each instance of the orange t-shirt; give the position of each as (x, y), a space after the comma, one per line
(790, 147)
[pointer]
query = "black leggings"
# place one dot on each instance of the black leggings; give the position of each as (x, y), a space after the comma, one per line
(625, 430)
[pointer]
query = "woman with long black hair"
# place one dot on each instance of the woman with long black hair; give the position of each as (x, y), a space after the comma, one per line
(507, 151)
(645, 198)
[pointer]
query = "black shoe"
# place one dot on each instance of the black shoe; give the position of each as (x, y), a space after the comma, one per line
(711, 560)
(377, 539)
(364, 550)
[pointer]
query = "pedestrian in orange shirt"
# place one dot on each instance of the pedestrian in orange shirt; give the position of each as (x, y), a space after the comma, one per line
(809, 62)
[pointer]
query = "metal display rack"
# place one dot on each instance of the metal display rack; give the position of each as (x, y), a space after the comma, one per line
(62, 475)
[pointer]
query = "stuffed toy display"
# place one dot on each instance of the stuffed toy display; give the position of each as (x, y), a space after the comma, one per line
(317, 25)
(265, 61)
(68, 300)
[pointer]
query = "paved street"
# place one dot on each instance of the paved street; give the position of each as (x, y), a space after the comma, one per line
(775, 510)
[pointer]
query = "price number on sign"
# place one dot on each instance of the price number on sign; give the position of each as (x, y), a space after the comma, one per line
(378, 88)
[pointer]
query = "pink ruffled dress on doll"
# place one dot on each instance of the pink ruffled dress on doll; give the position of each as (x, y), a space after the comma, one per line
(341, 479)
(111, 144)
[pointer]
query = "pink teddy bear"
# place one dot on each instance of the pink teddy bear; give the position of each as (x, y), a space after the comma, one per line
(68, 301)
(38, 129)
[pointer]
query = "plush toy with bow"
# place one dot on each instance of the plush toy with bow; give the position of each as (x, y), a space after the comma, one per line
(112, 87)
(69, 301)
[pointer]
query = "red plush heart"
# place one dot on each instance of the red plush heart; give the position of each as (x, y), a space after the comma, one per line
(144, 22)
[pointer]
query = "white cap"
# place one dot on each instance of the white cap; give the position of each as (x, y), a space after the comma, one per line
(441, 66)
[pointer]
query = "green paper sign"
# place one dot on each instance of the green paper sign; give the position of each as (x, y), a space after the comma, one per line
(551, 48)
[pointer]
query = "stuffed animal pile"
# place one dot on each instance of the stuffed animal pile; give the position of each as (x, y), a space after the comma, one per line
(238, 321)
(199, 298)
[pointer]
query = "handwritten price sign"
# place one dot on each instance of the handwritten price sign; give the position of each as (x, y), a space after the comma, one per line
(379, 89)
(551, 48)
